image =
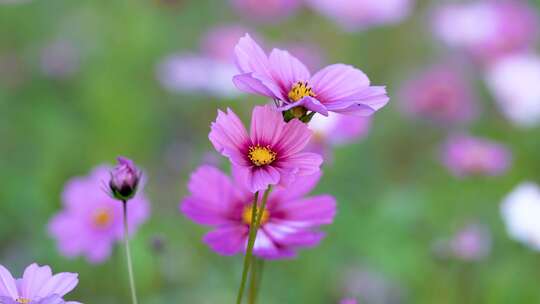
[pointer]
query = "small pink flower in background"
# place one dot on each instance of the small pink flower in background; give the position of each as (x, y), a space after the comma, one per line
(513, 81)
(207, 72)
(472, 243)
(37, 286)
(91, 222)
(520, 212)
(289, 221)
(355, 15)
(336, 130)
(440, 94)
(369, 286)
(487, 29)
(271, 154)
(60, 59)
(465, 155)
(266, 11)
(348, 301)
(336, 88)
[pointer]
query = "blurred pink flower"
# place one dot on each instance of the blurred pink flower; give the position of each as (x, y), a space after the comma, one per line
(60, 59)
(266, 11)
(336, 88)
(310, 54)
(271, 154)
(289, 221)
(37, 286)
(348, 301)
(513, 81)
(335, 130)
(472, 243)
(91, 221)
(361, 14)
(487, 29)
(520, 211)
(465, 155)
(440, 94)
(209, 71)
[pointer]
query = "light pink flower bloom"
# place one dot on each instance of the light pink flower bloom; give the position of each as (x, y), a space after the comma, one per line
(266, 11)
(271, 154)
(513, 81)
(471, 243)
(487, 29)
(348, 301)
(288, 223)
(280, 76)
(440, 94)
(91, 221)
(37, 286)
(361, 14)
(465, 155)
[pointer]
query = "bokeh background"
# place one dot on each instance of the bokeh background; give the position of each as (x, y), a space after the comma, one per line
(82, 82)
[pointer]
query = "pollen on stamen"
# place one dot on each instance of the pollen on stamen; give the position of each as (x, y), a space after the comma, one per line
(261, 156)
(22, 300)
(102, 218)
(300, 90)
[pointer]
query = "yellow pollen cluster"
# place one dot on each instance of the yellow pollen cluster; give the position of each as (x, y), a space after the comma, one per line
(261, 156)
(248, 211)
(102, 218)
(300, 90)
(23, 300)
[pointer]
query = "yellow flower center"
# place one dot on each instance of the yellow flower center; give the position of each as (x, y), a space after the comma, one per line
(248, 212)
(300, 90)
(23, 300)
(261, 156)
(102, 218)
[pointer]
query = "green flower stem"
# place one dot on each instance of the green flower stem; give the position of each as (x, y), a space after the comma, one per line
(256, 217)
(256, 277)
(128, 256)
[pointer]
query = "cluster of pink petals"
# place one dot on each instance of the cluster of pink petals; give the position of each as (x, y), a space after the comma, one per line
(361, 14)
(488, 29)
(37, 286)
(286, 139)
(92, 221)
(291, 223)
(466, 155)
(337, 88)
(440, 94)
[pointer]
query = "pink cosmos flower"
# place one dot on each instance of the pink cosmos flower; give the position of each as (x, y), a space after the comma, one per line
(280, 76)
(91, 221)
(487, 29)
(465, 155)
(271, 154)
(289, 220)
(440, 94)
(348, 301)
(472, 243)
(37, 286)
(266, 11)
(355, 15)
(336, 130)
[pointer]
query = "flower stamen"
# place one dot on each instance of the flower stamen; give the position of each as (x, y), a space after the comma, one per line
(261, 156)
(23, 300)
(248, 211)
(300, 90)
(102, 218)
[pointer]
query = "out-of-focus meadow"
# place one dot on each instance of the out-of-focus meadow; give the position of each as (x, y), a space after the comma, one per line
(84, 81)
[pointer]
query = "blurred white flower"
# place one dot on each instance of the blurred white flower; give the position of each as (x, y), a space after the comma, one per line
(514, 82)
(521, 213)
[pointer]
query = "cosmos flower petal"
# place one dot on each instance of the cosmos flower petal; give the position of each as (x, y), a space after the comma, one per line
(313, 211)
(212, 195)
(228, 240)
(99, 252)
(297, 189)
(60, 284)
(366, 102)
(287, 69)
(250, 57)
(33, 281)
(53, 299)
(8, 286)
(228, 134)
(296, 136)
(254, 84)
(307, 163)
(267, 126)
(259, 179)
(338, 82)
(308, 102)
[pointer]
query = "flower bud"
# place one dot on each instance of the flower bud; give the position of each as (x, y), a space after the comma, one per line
(125, 178)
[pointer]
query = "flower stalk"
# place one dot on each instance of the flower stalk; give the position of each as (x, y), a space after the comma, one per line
(128, 256)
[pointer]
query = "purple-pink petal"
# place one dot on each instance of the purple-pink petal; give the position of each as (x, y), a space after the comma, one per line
(287, 69)
(228, 240)
(8, 286)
